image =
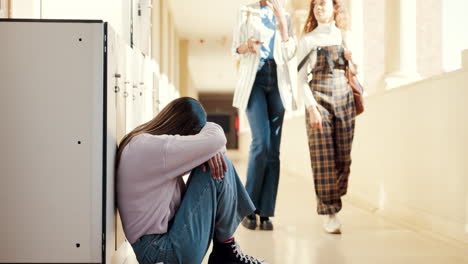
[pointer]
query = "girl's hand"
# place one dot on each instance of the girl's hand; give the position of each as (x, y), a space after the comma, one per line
(280, 15)
(315, 118)
(278, 10)
(249, 46)
(217, 166)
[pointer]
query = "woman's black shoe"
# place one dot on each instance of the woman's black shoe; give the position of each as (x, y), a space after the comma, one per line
(266, 224)
(250, 222)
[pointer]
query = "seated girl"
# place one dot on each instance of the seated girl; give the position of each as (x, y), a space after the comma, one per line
(165, 219)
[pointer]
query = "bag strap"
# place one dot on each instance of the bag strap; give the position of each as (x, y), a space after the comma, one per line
(304, 60)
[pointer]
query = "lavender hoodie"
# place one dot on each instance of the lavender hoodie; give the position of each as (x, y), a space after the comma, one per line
(149, 177)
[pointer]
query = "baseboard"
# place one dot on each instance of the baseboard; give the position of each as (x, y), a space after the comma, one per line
(361, 203)
(416, 220)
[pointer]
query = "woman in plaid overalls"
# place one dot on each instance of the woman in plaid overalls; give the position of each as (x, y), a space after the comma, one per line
(330, 107)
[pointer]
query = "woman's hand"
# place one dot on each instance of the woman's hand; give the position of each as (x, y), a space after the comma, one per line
(315, 118)
(249, 46)
(280, 15)
(278, 10)
(217, 166)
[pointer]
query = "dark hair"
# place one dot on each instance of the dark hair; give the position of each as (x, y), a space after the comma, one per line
(183, 116)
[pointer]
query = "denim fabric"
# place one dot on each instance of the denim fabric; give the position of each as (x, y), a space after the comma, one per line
(265, 113)
(210, 209)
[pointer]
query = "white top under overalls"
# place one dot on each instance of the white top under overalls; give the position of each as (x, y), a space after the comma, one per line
(323, 35)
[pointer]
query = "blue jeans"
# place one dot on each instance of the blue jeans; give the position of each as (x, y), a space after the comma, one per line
(209, 209)
(265, 112)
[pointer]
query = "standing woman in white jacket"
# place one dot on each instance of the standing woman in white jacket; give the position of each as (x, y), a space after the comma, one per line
(264, 44)
(330, 112)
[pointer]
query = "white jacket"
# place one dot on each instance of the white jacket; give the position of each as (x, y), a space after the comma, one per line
(247, 27)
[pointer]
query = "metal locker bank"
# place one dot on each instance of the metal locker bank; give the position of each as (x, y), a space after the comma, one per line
(60, 83)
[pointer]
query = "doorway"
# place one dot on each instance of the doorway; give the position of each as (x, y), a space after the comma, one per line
(219, 109)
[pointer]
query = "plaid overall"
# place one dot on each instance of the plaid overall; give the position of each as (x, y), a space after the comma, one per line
(330, 152)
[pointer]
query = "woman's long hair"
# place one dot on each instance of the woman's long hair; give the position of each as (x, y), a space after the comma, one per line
(183, 116)
(339, 16)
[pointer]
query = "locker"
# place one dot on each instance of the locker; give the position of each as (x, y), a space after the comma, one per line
(63, 111)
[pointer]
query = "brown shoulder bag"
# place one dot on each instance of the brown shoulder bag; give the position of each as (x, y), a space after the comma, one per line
(357, 88)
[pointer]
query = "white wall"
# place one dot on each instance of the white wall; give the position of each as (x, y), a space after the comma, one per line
(3, 8)
(455, 38)
(25, 9)
(410, 154)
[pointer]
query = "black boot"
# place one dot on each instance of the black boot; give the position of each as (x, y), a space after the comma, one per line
(250, 222)
(230, 253)
(265, 223)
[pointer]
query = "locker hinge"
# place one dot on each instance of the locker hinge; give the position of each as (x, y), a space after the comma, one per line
(103, 242)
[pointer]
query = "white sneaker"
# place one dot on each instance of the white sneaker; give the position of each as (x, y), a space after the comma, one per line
(332, 224)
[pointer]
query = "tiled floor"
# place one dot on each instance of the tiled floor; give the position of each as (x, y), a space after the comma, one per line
(367, 238)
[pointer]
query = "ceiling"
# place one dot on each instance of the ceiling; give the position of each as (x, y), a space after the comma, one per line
(208, 24)
(204, 18)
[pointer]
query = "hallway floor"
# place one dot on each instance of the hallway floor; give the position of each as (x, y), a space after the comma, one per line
(367, 238)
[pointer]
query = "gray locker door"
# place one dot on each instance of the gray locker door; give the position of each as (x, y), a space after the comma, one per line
(51, 118)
